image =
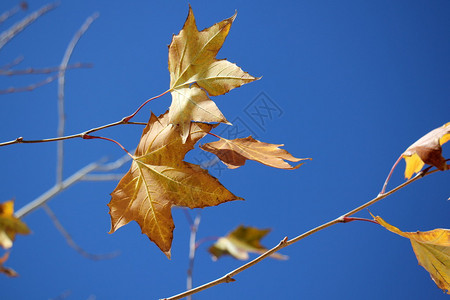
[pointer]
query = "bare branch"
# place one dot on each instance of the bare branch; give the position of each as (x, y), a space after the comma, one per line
(5, 71)
(8, 14)
(61, 81)
(192, 249)
(29, 88)
(15, 62)
(70, 240)
(103, 177)
(44, 198)
(9, 34)
(285, 242)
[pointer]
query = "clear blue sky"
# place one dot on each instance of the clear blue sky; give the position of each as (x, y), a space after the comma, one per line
(354, 83)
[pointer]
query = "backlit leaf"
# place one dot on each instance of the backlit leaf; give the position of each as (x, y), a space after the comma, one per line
(159, 179)
(432, 249)
(10, 225)
(195, 73)
(427, 150)
(235, 152)
(240, 242)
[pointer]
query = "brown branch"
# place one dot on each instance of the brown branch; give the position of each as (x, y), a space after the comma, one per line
(285, 242)
(9, 34)
(70, 240)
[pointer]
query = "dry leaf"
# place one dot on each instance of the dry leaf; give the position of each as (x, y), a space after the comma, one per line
(10, 225)
(235, 152)
(8, 271)
(240, 242)
(427, 150)
(159, 179)
(195, 72)
(432, 249)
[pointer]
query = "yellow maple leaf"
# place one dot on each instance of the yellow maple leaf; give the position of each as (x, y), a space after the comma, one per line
(195, 73)
(427, 150)
(10, 225)
(432, 249)
(159, 179)
(235, 152)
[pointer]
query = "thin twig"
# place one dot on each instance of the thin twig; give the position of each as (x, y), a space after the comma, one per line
(78, 176)
(192, 249)
(44, 198)
(15, 62)
(390, 174)
(30, 87)
(70, 240)
(9, 34)
(20, 140)
(9, 13)
(61, 81)
(5, 71)
(285, 242)
(103, 177)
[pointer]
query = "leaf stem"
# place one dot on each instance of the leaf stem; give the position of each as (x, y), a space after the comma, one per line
(126, 119)
(390, 174)
(90, 137)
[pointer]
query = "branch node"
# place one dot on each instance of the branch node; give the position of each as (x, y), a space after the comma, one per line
(19, 139)
(229, 279)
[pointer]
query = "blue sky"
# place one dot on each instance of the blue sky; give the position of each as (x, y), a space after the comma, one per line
(352, 85)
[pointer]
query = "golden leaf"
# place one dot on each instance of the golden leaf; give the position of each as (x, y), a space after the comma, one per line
(427, 150)
(240, 242)
(195, 72)
(10, 225)
(159, 179)
(235, 152)
(432, 249)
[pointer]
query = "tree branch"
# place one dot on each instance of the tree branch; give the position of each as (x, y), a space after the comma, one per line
(285, 242)
(9, 34)
(61, 81)
(70, 240)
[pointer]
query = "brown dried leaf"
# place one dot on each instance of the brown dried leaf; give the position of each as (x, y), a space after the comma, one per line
(432, 249)
(8, 271)
(427, 150)
(159, 179)
(10, 225)
(240, 242)
(235, 152)
(195, 71)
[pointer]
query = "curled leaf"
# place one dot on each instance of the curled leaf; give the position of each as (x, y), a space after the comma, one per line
(159, 179)
(432, 249)
(427, 150)
(235, 152)
(195, 73)
(240, 242)
(10, 225)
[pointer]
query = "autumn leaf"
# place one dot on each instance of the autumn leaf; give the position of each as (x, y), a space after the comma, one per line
(195, 73)
(159, 179)
(432, 249)
(10, 225)
(427, 150)
(234, 153)
(240, 242)
(8, 271)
